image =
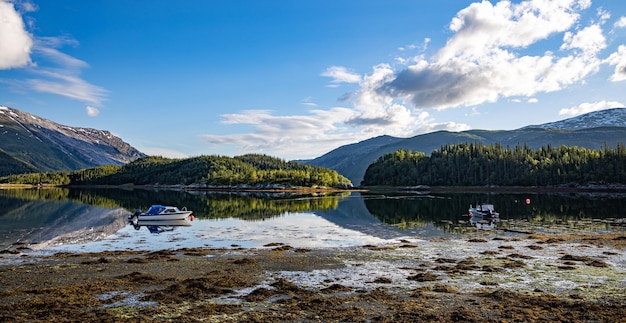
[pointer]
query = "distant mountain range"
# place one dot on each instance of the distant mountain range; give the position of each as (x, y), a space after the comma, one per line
(29, 143)
(593, 130)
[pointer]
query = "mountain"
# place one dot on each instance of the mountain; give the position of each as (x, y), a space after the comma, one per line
(29, 143)
(593, 130)
(604, 118)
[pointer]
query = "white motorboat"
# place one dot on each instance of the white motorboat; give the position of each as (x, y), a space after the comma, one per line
(162, 213)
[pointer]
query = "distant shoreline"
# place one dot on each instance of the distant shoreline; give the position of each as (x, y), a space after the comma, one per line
(608, 188)
(540, 189)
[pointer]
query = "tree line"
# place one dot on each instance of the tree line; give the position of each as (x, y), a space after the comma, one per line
(477, 164)
(251, 169)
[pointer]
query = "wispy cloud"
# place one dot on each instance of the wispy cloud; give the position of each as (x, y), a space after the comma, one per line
(590, 107)
(621, 22)
(303, 136)
(62, 82)
(340, 74)
(309, 102)
(54, 71)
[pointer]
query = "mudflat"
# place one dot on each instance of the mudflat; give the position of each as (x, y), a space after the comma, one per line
(555, 278)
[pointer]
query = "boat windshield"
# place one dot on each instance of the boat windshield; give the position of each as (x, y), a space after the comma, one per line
(155, 209)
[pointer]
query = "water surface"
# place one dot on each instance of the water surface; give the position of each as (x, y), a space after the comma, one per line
(96, 220)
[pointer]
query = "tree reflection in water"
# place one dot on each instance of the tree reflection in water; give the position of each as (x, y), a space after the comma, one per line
(448, 211)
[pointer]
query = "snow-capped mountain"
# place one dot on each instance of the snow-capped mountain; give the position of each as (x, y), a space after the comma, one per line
(604, 118)
(48, 146)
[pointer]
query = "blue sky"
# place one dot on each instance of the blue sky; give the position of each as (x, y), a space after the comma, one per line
(296, 79)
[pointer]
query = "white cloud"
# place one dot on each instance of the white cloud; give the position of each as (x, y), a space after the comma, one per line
(590, 107)
(533, 100)
(483, 62)
(54, 71)
(621, 23)
(340, 74)
(15, 42)
(421, 48)
(92, 112)
(483, 27)
(603, 15)
(619, 60)
(590, 40)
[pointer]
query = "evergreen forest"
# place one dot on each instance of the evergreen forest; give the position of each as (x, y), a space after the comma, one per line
(477, 164)
(10, 165)
(251, 170)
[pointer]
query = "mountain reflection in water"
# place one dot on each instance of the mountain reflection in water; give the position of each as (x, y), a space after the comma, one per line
(70, 218)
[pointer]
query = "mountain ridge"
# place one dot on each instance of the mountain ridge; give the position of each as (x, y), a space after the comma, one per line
(43, 145)
(615, 117)
(605, 127)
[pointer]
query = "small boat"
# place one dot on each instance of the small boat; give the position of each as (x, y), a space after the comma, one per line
(483, 210)
(161, 213)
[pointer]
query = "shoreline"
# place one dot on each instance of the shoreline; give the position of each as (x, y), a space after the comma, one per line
(586, 188)
(568, 277)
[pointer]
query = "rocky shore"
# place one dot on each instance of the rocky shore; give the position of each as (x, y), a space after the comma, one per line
(543, 278)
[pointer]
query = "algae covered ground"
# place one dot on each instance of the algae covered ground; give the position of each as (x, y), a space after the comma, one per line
(555, 278)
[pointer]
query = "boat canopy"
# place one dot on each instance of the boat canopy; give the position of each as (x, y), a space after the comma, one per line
(155, 210)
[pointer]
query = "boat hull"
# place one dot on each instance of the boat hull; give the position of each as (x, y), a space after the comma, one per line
(165, 217)
(173, 223)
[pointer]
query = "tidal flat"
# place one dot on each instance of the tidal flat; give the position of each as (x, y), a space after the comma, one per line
(535, 277)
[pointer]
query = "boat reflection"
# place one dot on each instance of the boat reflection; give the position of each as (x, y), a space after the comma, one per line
(156, 226)
(484, 223)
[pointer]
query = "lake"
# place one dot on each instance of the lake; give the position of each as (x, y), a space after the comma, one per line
(91, 220)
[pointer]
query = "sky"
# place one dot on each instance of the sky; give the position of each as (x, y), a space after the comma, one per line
(297, 79)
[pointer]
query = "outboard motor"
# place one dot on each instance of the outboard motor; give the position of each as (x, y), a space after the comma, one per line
(134, 218)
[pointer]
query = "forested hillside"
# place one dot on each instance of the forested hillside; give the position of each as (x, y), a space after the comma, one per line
(10, 165)
(251, 170)
(477, 164)
(353, 162)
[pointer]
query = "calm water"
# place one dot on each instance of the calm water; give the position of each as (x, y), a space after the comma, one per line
(94, 220)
